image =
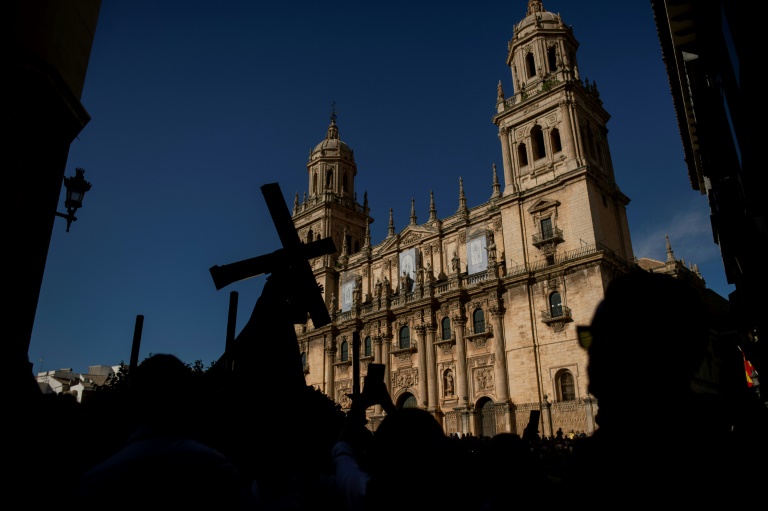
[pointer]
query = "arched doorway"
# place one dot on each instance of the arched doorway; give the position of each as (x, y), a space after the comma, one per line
(406, 400)
(487, 417)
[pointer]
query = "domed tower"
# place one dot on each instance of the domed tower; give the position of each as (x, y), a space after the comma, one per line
(554, 143)
(331, 208)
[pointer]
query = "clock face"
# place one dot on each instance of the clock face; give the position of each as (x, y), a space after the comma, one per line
(408, 265)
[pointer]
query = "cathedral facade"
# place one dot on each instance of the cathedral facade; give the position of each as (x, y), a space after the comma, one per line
(474, 315)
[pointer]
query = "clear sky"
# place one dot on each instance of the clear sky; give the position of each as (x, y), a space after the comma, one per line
(197, 104)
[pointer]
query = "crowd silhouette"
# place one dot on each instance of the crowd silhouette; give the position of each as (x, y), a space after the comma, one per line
(174, 437)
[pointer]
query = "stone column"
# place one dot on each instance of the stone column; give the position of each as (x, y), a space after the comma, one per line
(461, 364)
(377, 359)
(506, 160)
(330, 353)
(566, 131)
(386, 343)
(589, 407)
(422, 385)
(500, 365)
(431, 369)
(546, 419)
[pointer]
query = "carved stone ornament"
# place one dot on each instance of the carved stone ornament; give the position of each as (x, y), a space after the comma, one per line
(446, 345)
(482, 360)
(403, 355)
(480, 341)
(405, 378)
(558, 326)
(549, 249)
(483, 378)
(462, 237)
(342, 389)
(411, 238)
(497, 224)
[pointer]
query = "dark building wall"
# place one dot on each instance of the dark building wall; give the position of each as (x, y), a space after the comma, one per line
(49, 48)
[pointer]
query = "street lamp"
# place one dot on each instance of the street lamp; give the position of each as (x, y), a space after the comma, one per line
(76, 187)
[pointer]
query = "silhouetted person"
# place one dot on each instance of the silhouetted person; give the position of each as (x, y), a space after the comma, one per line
(647, 339)
(414, 466)
(509, 464)
(162, 465)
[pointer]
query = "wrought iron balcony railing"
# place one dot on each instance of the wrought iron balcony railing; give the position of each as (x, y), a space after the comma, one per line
(553, 235)
(561, 313)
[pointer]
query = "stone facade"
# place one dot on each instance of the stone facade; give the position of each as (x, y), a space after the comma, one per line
(474, 315)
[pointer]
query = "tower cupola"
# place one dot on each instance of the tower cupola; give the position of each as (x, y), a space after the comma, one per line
(331, 166)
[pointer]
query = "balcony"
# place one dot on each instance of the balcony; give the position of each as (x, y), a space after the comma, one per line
(549, 237)
(557, 318)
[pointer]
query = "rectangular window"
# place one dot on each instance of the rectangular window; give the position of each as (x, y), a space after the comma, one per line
(546, 228)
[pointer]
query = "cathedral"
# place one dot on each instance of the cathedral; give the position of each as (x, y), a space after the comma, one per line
(474, 315)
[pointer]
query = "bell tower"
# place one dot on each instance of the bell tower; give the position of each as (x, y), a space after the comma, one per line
(554, 142)
(330, 208)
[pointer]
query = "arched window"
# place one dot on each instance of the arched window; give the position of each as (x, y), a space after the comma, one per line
(367, 352)
(537, 142)
(344, 351)
(478, 321)
(405, 338)
(552, 58)
(310, 236)
(446, 327)
(566, 389)
(357, 247)
(555, 305)
(554, 138)
(344, 183)
(304, 359)
(328, 179)
(530, 65)
(522, 155)
(314, 184)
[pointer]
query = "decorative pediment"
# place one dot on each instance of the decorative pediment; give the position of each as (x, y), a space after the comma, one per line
(415, 233)
(408, 236)
(543, 205)
(411, 238)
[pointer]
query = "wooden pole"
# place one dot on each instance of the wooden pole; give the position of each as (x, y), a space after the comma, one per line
(136, 344)
(231, 322)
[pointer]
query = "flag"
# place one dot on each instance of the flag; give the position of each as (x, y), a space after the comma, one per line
(748, 369)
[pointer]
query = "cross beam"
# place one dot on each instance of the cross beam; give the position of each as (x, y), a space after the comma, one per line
(303, 292)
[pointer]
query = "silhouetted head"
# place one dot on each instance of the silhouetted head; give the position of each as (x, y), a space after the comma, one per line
(161, 387)
(649, 336)
(409, 443)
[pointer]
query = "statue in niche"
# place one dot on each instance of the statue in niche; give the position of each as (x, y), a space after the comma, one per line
(377, 288)
(430, 275)
(491, 248)
(455, 263)
(357, 292)
(386, 286)
(448, 383)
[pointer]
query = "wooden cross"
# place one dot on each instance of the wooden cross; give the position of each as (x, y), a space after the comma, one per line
(304, 294)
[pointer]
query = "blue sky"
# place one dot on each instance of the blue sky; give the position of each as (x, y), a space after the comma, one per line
(196, 104)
